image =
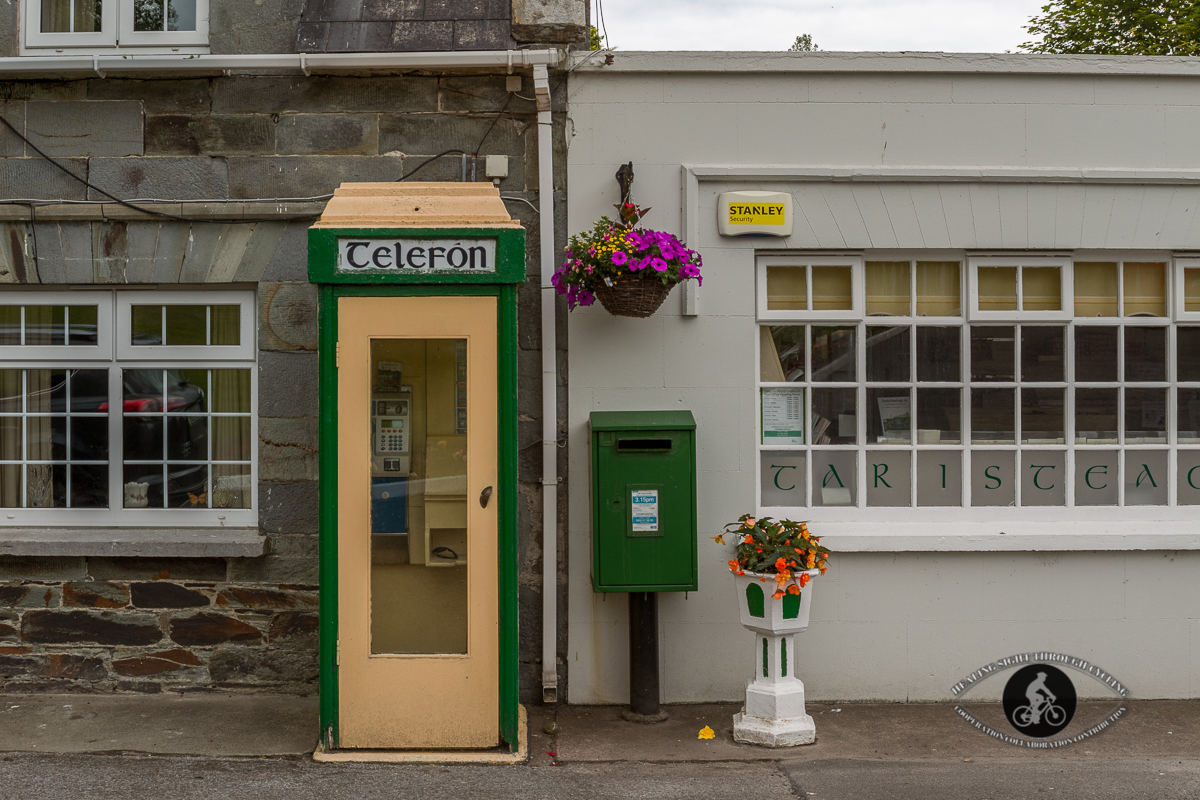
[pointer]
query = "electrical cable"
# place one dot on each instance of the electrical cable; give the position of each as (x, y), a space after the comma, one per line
(129, 205)
(456, 151)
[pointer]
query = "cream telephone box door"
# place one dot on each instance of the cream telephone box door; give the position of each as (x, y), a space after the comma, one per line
(418, 617)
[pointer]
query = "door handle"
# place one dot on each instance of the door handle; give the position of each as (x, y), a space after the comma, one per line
(484, 496)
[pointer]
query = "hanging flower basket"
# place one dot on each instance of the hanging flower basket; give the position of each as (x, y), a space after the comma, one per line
(633, 298)
(631, 270)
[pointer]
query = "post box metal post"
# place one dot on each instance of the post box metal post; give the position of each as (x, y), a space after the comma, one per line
(644, 527)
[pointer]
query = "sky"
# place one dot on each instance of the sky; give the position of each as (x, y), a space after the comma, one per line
(959, 26)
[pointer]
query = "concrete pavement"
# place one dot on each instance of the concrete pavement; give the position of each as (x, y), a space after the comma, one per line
(233, 746)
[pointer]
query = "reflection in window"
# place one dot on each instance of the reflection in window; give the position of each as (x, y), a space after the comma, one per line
(47, 325)
(71, 16)
(182, 326)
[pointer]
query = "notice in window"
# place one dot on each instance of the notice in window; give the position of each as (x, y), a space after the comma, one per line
(783, 416)
(644, 505)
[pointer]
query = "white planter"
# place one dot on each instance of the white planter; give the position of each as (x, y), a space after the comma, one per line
(774, 714)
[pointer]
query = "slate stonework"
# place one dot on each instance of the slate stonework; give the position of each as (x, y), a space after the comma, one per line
(211, 629)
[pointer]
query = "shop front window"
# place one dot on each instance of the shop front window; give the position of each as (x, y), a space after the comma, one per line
(990, 383)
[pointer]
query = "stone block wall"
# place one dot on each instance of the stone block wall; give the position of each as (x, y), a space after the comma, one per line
(233, 140)
(151, 625)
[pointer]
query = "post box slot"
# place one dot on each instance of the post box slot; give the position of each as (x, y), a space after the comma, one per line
(642, 445)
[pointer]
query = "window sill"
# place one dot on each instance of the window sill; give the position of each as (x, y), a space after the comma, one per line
(1011, 536)
(132, 542)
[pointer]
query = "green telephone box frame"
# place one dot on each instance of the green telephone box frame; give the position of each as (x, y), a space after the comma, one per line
(501, 284)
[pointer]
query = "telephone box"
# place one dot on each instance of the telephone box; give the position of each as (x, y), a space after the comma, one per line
(418, 477)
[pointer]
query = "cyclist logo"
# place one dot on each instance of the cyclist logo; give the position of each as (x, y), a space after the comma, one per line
(1039, 700)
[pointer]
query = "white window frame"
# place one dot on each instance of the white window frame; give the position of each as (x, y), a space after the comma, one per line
(1066, 288)
(1031, 520)
(116, 33)
(116, 515)
(127, 351)
(101, 351)
(855, 263)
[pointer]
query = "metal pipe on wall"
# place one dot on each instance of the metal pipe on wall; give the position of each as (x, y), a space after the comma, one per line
(541, 86)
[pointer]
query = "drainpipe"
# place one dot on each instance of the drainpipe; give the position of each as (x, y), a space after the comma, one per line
(541, 87)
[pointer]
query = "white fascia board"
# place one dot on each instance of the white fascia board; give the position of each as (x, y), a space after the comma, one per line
(974, 536)
(318, 62)
(900, 62)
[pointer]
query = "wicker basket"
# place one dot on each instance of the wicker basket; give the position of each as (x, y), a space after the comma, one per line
(636, 298)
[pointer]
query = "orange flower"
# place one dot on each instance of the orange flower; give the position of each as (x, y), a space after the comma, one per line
(777, 596)
(780, 564)
(824, 570)
(748, 522)
(719, 539)
(733, 565)
(782, 577)
(793, 589)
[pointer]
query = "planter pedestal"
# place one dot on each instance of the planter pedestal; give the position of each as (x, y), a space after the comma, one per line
(774, 714)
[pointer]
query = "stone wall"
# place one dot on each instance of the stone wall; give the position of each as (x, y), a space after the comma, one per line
(237, 139)
(149, 625)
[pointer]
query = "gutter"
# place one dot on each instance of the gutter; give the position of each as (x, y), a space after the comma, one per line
(307, 63)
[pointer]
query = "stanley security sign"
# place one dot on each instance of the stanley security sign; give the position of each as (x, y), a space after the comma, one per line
(754, 213)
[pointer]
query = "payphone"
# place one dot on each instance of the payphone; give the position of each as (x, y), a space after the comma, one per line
(391, 450)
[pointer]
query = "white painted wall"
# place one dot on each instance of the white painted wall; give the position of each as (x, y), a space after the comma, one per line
(881, 152)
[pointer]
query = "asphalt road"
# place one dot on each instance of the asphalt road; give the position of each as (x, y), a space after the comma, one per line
(36, 776)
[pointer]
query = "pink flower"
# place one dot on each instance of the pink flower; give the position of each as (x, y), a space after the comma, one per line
(659, 265)
(619, 258)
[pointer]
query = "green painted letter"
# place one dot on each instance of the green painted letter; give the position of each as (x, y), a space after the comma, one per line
(879, 475)
(1087, 476)
(987, 474)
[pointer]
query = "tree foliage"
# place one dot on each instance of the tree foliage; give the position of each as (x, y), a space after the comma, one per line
(803, 44)
(1117, 27)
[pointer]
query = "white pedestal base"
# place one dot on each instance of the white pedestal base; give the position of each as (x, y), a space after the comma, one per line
(774, 732)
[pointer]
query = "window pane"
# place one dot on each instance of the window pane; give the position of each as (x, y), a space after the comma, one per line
(889, 416)
(939, 416)
(781, 354)
(57, 16)
(1042, 353)
(187, 390)
(231, 439)
(10, 326)
(1189, 416)
(1145, 354)
(226, 325)
(10, 391)
(833, 354)
(46, 438)
(835, 478)
(938, 292)
(783, 478)
(10, 439)
(232, 487)
(1145, 416)
(1043, 478)
(45, 325)
(187, 325)
(1188, 351)
(1191, 289)
(187, 486)
(1041, 289)
(1145, 290)
(834, 419)
(148, 15)
(231, 390)
(89, 486)
(889, 285)
(143, 438)
(46, 486)
(787, 289)
(1145, 477)
(831, 289)
(888, 354)
(181, 15)
(1095, 289)
(1096, 416)
(1096, 478)
(87, 16)
(889, 478)
(992, 479)
(992, 416)
(46, 391)
(1042, 416)
(1189, 477)
(89, 438)
(84, 324)
(10, 483)
(783, 416)
(187, 438)
(938, 353)
(1096, 353)
(143, 485)
(939, 478)
(997, 288)
(89, 390)
(992, 353)
(146, 322)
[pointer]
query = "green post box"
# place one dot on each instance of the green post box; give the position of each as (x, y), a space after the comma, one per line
(643, 501)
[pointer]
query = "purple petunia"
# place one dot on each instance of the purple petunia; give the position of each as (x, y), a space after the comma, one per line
(619, 258)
